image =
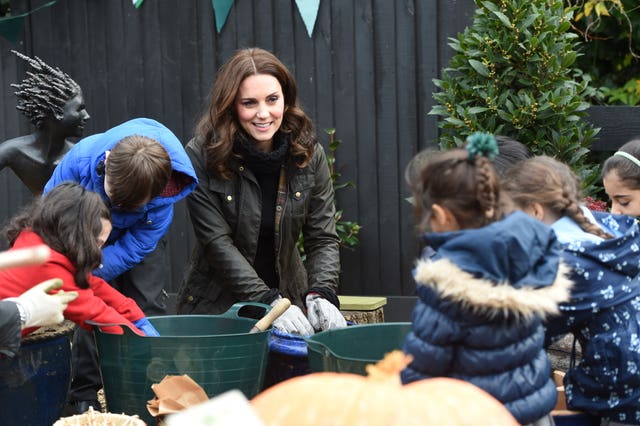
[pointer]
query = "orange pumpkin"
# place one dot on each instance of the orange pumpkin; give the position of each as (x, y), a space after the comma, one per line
(343, 399)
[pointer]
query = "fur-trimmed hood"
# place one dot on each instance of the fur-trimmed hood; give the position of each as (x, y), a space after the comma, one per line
(512, 265)
(485, 297)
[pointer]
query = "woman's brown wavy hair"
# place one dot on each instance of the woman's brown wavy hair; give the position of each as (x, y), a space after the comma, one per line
(218, 127)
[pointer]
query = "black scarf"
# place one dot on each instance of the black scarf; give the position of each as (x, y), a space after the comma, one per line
(258, 161)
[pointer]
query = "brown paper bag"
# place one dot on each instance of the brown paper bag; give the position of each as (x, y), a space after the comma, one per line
(174, 394)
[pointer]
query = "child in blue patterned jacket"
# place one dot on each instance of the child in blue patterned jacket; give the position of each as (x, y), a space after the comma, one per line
(485, 286)
(602, 250)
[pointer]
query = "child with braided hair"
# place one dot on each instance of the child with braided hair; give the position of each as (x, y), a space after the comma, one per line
(486, 286)
(602, 250)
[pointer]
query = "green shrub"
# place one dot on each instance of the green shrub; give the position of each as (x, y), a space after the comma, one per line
(513, 74)
(609, 52)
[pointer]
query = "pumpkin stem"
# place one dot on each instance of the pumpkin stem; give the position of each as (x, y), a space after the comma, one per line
(388, 369)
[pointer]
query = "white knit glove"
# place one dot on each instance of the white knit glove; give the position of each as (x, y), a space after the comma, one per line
(292, 321)
(40, 308)
(322, 314)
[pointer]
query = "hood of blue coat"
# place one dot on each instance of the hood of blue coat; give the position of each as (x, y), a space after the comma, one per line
(150, 128)
(510, 267)
(518, 249)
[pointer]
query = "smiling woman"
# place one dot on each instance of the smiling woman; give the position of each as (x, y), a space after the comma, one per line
(264, 180)
(260, 106)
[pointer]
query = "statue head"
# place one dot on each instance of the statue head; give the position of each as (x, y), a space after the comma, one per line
(46, 93)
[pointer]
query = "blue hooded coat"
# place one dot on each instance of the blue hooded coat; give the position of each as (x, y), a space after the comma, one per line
(135, 233)
(603, 315)
(481, 300)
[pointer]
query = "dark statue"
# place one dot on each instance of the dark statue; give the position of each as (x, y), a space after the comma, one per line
(54, 104)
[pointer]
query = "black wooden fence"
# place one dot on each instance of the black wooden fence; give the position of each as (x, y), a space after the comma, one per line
(366, 71)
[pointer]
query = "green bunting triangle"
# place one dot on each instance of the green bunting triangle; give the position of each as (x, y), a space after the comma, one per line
(308, 10)
(11, 26)
(221, 10)
(137, 3)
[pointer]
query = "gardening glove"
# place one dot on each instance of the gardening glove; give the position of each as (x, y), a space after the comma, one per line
(145, 326)
(322, 314)
(39, 308)
(292, 321)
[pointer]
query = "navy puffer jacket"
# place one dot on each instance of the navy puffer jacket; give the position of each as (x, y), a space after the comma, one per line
(481, 301)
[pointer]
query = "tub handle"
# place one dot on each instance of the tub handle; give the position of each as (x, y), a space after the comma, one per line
(234, 310)
(126, 328)
(319, 347)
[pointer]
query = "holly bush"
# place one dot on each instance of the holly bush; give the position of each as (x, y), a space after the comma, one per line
(513, 73)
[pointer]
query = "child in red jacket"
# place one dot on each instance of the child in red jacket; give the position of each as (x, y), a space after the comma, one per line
(74, 223)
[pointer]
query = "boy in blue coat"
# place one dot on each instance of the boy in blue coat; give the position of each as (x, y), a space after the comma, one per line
(141, 170)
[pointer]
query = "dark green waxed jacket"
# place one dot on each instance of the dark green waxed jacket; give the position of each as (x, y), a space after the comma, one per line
(226, 219)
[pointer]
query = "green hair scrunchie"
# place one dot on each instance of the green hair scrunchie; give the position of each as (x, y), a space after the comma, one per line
(483, 144)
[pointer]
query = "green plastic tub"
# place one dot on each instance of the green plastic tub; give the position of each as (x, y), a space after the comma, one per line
(350, 349)
(216, 351)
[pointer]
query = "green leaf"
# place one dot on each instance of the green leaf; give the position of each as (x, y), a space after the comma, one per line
(479, 67)
(527, 21)
(438, 110)
(569, 59)
(503, 18)
(489, 5)
(476, 110)
(454, 121)
(505, 115)
(564, 26)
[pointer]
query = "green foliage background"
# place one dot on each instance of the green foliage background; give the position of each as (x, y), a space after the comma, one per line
(514, 74)
(610, 48)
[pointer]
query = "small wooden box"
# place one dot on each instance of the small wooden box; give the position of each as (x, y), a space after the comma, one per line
(363, 309)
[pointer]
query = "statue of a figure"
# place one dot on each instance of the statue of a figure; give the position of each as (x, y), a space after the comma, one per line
(54, 104)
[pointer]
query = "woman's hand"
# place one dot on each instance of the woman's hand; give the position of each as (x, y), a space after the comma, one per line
(293, 321)
(322, 314)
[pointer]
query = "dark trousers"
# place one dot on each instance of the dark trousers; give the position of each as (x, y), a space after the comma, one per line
(145, 284)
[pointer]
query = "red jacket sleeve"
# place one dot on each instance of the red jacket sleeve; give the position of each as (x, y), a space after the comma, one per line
(100, 303)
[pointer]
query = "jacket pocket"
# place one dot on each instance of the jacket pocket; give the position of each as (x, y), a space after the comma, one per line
(223, 192)
(300, 193)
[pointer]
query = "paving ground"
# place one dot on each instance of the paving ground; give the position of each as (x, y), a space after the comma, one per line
(560, 353)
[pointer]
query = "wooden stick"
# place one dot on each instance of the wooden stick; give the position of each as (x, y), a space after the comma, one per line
(24, 257)
(264, 322)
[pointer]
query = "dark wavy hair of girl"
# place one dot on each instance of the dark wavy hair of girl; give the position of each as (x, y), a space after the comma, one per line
(68, 219)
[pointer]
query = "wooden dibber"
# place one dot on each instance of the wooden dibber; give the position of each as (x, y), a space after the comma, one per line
(264, 322)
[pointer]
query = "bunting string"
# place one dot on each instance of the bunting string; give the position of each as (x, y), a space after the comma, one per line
(11, 26)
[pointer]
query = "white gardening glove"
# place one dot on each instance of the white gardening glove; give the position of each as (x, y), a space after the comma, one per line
(292, 321)
(322, 314)
(39, 307)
